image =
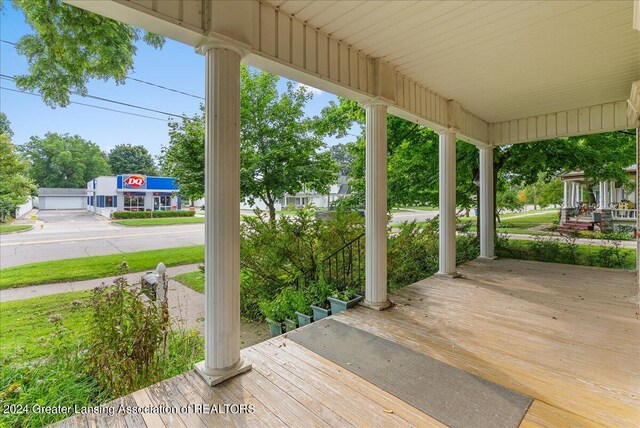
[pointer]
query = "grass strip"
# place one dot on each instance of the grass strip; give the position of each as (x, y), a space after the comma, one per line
(82, 268)
(10, 228)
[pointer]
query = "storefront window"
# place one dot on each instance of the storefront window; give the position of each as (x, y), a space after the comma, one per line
(162, 203)
(133, 203)
(108, 201)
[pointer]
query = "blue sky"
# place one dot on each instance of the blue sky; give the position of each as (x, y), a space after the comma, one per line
(175, 66)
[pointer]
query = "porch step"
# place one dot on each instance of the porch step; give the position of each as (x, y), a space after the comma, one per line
(574, 226)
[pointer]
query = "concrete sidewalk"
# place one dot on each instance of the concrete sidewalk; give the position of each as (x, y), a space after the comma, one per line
(186, 306)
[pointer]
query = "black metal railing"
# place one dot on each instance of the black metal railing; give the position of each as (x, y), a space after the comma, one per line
(344, 267)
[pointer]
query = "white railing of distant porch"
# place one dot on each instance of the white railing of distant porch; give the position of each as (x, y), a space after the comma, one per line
(623, 214)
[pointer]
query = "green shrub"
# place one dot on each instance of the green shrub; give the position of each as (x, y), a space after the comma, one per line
(412, 253)
(124, 215)
(283, 306)
(128, 329)
(274, 255)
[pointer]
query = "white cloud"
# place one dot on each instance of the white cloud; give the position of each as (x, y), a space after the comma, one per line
(314, 91)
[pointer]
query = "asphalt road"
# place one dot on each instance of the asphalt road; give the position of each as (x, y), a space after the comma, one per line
(68, 233)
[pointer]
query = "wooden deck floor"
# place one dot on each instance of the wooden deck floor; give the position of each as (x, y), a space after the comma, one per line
(566, 335)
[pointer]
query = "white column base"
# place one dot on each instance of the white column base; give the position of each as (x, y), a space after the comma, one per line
(378, 306)
(487, 257)
(219, 376)
(448, 275)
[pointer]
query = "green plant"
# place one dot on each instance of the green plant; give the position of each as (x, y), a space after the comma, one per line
(346, 294)
(127, 338)
(281, 307)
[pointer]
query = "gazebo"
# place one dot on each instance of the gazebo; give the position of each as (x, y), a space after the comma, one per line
(486, 73)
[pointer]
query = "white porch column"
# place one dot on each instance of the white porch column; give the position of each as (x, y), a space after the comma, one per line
(612, 192)
(447, 177)
(376, 207)
(486, 203)
(565, 197)
(606, 198)
(571, 193)
(222, 219)
(601, 196)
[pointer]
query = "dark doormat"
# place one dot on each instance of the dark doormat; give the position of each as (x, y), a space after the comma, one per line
(448, 394)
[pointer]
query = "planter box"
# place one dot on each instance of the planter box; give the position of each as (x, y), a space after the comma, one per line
(290, 325)
(304, 319)
(338, 306)
(276, 328)
(319, 313)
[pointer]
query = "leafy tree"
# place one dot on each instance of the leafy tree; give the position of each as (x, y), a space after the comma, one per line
(184, 157)
(342, 156)
(15, 185)
(508, 199)
(281, 149)
(5, 125)
(128, 159)
(64, 161)
(70, 46)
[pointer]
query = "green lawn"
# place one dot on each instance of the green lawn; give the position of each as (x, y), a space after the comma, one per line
(519, 222)
(25, 323)
(96, 267)
(193, 280)
(586, 255)
(159, 221)
(10, 228)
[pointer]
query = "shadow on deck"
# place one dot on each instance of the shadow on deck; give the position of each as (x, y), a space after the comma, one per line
(565, 335)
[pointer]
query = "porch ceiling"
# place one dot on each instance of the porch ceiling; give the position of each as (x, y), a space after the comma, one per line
(501, 60)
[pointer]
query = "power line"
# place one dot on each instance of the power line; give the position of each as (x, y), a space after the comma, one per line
(142, 81)
(89, 105)
(117, 102)
(165, 88)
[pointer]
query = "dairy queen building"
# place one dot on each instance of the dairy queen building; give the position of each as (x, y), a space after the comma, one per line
(132, 192)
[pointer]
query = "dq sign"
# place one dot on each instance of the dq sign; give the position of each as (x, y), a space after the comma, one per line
(134, 181)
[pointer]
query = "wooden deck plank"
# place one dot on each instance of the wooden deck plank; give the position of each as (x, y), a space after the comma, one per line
(288, 409)
(296, 388)
(133, 420)
(196, 386)
(367, 404)
(141, 398)
(265, 416)
(543, 415)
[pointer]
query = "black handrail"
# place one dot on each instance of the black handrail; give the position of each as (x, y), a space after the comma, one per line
(348, 264)
(342, 267)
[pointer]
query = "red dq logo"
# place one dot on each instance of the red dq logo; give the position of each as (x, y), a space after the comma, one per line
(134, 181)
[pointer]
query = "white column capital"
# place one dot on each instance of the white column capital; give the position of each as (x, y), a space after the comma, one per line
(207, 44)
(376, 101)
(447, 131)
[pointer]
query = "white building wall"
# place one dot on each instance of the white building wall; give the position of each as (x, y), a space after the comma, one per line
(24, 208)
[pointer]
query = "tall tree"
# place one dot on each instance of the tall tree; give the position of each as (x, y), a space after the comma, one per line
(184, 157)
(69, 46)
(5, 125)
(64, 161)
(128, 159)
(281, 150)
(15, 184)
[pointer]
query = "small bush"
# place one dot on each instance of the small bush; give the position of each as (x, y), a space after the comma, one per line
(128, 338)
(125, 215)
